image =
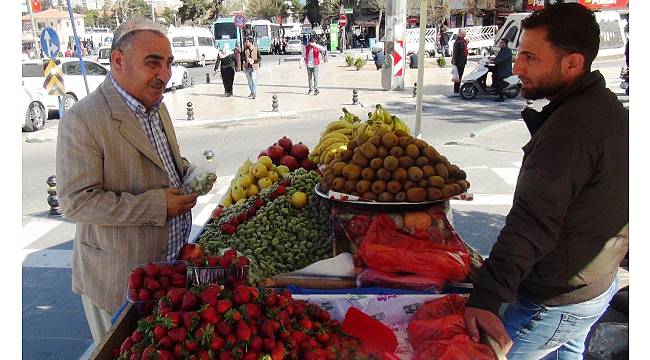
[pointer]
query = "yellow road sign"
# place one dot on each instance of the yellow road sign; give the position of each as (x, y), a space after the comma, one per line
(54, 78)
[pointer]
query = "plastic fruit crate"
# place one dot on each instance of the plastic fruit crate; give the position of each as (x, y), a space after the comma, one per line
(232, 275)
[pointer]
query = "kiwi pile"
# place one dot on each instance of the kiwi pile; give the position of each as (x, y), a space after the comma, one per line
(391, 166)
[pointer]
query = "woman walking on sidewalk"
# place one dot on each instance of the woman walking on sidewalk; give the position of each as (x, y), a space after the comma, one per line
(226, 59)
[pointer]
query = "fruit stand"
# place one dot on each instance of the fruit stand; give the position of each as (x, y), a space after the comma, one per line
(360, 222)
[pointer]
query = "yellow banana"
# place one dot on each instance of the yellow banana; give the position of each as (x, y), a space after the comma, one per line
(327, 143)
(336, 125)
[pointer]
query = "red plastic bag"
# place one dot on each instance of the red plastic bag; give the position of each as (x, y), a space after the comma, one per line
(370, 277)
(435, 309)
(460, 347)
(421, 331)
(388, 250)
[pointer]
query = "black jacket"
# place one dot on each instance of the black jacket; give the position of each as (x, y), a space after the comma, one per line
(503, 63)
(458, 57)
(571, 198)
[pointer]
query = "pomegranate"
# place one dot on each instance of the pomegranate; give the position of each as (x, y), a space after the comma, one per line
(276, 152)
(286, 143)
(263, 153)
(290, 162)
(307, 164)
(300, 151)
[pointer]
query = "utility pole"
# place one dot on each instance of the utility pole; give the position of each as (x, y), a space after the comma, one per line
(31, 17)
(153, 16)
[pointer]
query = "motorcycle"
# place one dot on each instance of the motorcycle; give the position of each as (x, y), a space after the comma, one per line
(474, 83)
(625, 76)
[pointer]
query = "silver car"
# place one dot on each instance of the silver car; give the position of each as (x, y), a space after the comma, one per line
(294, 46)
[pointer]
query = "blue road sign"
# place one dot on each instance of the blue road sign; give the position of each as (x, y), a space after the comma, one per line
(240, 21)
(50, 42)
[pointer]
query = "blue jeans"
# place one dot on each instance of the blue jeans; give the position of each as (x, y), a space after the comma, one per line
(553, 332)
(252, 82)
(312, 76)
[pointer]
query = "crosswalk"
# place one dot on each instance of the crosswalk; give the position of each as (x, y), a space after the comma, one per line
(39, 230)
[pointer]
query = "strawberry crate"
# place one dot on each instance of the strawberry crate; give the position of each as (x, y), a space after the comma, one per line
(149, 282)
(228, 275)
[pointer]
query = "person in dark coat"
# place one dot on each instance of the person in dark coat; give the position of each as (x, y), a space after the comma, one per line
(459, 58)
(502, 68)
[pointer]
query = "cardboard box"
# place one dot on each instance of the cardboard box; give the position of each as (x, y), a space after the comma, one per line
(123, 327)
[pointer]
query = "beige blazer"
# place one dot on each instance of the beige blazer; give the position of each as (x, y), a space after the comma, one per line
(110, 182)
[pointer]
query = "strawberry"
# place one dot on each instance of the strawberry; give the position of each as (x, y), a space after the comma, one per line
(281, 190)
(258, 203)
(166, 343)
(323, 337)
(306, 323)
(278, 352)
(127, 344)
(133, 294)
(181, 268)
(165, 355)
(135, 281)
(241, 295)
(228, 228)
(225, 355)
(176, 318)
(225, 261)
(175, 295)
(178, 351)
(284, 335)
(177, 334)
(256, 343)
(212, 261)
(204, 355)
(298, 336)
(159, 294)
(190, 302)
(243, 261)
(209, 314)
(164, 282)
(251, 355)
(242, 331)
(151, 284)
(144, 295)
(158, 332)
(268, 344)
(266, 328)
(136, 336)
(231, 341)
(216, 343)
(191, 345)
(223, 328)
(210, 295)
(252, 211)
(232, 316)
(152, 269)
(223, 306)
(234, 221)
(148, 353)
(237, 353)
(167, 271)
(191, 319)
(243, 217)
(139, 271)
(178, 280)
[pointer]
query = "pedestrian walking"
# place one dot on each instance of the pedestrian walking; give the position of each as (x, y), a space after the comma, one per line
(312, 62)
(556, 259)
(444, 41)
(250, 65)
(226, 63)
(119, 171)
(502, 68)
(459, 58)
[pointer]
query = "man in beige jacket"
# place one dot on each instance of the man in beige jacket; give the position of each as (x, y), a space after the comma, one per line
(119, 169)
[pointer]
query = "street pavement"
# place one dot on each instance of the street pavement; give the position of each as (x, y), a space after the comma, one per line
(482, 137)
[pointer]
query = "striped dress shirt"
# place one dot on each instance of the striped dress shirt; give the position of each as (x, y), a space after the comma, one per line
(179, 227)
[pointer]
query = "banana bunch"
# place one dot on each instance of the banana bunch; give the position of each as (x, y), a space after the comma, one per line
(381, 118)
(335, 136)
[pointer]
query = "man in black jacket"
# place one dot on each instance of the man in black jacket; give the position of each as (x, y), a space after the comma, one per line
(556, 259)
(502, 68)
(459, 58)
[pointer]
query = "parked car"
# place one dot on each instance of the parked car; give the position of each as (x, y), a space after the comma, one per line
(75, 89)
(104, 56)
(33, 101)
(192, 45)
(294, 46)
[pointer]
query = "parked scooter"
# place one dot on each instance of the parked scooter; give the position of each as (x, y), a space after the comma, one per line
(625, 76)
(474, 83)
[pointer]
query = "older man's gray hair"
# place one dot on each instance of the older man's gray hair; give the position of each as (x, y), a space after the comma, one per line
(124, 34)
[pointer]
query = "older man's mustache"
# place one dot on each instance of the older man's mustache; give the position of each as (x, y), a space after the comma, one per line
(158, 84)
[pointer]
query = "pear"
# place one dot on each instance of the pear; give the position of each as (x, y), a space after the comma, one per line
(266, 160)
(238, 193)
(273, 176)
(282, 169)
(259, 170)
(264, 183)
(245, 181)
(252, 190)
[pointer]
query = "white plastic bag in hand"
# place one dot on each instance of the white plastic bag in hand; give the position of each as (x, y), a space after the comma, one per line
(454, 74)
(199, 179)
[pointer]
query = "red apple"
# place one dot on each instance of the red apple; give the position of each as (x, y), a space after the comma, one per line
(286, 143)
(289, 161)
(276, 152)
(300, 151)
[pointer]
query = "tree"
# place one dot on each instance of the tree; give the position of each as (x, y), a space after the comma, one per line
(78, 9)
(193, 10)
(91, 17)
(125, 9)
(312, 11)
(48, 4)
(169, 14)
(266, 9)
(296, 8)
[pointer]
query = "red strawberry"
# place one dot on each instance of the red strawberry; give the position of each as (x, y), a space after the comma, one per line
(127, 344)
(278, 352)
(210, 295)
(256, 343)
(237, 353)
(176, 318)
(133, 295)
(135, 281)
(160, 293)
(191, 345)
(177, 334)
(223, 306)
(140, 272)
(178, 351)
(228, 228)
(178, 280)
(251, 355)
(243, 261)
(323, 337)
(225, 261)
(136, 336)
(243, 217)
(181, 268)
(144, 295)
(252, 211)
(204, 355)
(281, 190)
(216, 343)
(166, 343)
(223, 328)
(152, 269)
(212, 261)
(148, 353)
(259, 203)
(190, 302)
(209, 314)
(232, 316)
(268, 344)
(167, 270)
(158, 332)
(225, 355)
(165, 355)
(241, 295)
(284, 335)
(306, 323)
(266, 328)
(191, 320)
(298, 336)
(253, 310)
(242, 331)
(151, 284)
(164, 282)
(231, 341)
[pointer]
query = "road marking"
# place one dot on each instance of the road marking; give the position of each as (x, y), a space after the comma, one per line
(37, 228)
(47, 258)
(508, 174)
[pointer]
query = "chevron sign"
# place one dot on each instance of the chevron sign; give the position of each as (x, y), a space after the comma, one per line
(398, 58)
(54, 78)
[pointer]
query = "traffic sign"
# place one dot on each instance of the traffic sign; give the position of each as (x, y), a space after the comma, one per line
(343, 20)
(50, 42)
(240, 21)
(54, 78)
(398, 58)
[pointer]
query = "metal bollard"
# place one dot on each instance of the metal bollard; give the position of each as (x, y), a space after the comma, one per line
(192, 82)
(208, 155)
(355, 97)
(190, 111)
(279, 61)
(274, 103)
(415, 89)
(207, 78)
(52, 198)
(173, 87)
